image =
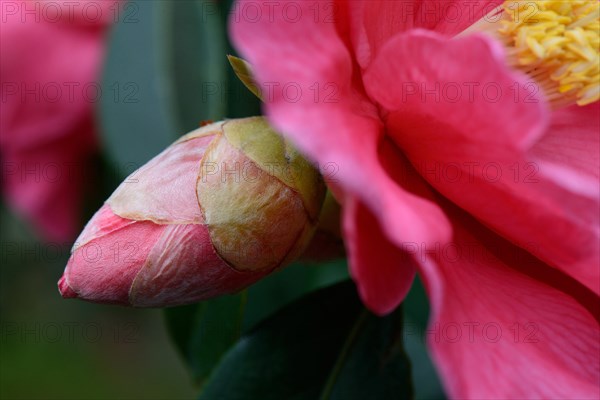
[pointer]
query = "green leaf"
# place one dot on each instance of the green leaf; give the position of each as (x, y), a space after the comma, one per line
(198, 61)
(161, 71)
(287, 285)
(416, 310)
(416, 305)
(244, 72)
(204, 332)
(324, 346)
(427, 382)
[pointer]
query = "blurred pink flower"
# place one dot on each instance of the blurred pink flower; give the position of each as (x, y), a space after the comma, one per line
(452, 165)
(51, 59)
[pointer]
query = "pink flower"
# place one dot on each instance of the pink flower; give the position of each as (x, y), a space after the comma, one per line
(222, 207)
(51, 56)
(460, 161)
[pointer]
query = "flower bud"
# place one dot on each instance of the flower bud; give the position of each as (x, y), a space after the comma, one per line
(217, 210)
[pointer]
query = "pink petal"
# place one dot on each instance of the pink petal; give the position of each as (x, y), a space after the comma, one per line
(572, 141)
(496, 332)
(383, 273)
(474, 150)
(466, 87)
(107, 257)
(183, 267)
(324, 112)
(164, 189)
(375, 22)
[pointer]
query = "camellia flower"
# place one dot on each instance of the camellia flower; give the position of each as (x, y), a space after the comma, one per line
(466, 136)
(220, 208)
(51, 56)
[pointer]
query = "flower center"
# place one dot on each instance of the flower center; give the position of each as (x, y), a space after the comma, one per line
(556, 43)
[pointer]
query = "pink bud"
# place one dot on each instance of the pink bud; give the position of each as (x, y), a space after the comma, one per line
(203, 218)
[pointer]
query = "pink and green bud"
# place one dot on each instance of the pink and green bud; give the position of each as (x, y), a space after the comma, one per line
(217, 210)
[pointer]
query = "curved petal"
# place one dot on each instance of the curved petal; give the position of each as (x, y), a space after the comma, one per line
(572, 141)
(109, 253)
(183, 267)
(311, 98)
(465, 89)
(383, 272)
(375, 22)
(497, 333)
(472, 145)
(164, 189)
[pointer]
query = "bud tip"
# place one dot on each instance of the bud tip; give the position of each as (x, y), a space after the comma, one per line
(65, 290)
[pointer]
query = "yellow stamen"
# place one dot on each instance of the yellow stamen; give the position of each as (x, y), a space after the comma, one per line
(558, 42)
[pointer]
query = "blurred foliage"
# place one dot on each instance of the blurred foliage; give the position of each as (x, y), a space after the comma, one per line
(52, 348)
(166, 74)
